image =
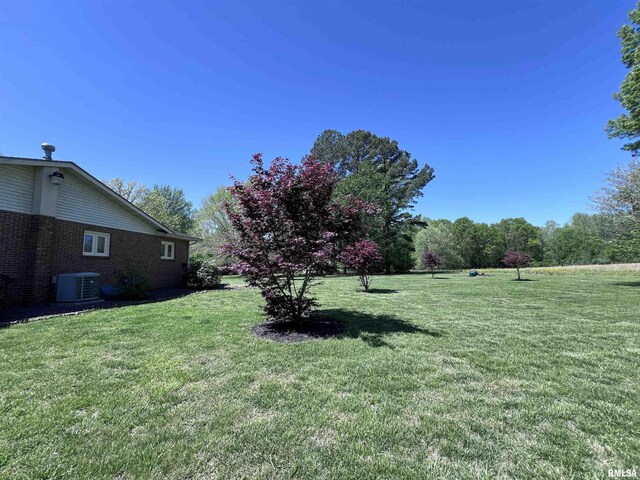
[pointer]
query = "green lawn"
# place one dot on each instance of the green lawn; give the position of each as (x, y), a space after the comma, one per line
(445, 378)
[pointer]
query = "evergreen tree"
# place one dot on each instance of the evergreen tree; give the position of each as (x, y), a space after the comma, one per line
(398, 183)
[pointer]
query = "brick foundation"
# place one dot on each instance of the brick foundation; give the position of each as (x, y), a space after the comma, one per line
(33, 248)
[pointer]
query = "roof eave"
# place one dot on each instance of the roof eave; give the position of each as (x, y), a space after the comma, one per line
(67, 164)
(180, 236)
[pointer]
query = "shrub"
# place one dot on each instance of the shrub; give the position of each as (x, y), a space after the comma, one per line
(362, 257)
(289, 226)
(516, 260)
(431, 261)
(209, 276)
(132, 284)
(202, 274)
(191, 278)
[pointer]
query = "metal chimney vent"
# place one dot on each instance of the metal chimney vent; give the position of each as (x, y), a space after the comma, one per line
(48, 150)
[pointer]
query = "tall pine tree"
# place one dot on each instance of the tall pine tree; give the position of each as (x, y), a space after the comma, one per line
(377, 169)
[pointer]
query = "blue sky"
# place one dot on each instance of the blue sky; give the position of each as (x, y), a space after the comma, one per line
(506, 100)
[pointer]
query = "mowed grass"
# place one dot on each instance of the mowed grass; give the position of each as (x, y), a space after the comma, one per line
(434, 378)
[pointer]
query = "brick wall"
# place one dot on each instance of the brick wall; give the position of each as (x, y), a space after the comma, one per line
(34, 248)
(15, 252)
(42, 247)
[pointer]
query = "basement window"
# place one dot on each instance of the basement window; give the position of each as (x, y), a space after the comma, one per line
(168, 251)
(96, 244)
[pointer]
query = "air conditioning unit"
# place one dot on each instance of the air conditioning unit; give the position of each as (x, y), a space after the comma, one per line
(78, 287)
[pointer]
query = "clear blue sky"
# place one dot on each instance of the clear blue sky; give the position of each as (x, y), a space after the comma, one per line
(506, 100)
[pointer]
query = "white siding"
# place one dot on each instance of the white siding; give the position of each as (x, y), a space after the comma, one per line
(16, 188)
(82, 202)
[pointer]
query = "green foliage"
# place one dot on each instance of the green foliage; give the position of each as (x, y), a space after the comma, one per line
(624, 249)
(399, 253)
(478, 244)
(202, 273)
(484, 245)
(213, 226)
(627, 125)
(519, 235)
(166, 204)
(367, 183)
(377, 170)
(586, 239)
(132, 283)
(128, 189)
(169, 206)
(331, 147)
(438, 238)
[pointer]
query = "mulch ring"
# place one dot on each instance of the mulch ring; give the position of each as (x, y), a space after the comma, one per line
(290, 332)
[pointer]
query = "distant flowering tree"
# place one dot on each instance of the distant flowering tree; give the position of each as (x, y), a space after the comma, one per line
(362, 257)
(516, 260)
(431, 261)
(288, 225)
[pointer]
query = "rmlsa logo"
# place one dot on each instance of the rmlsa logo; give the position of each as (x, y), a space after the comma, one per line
(620, 473)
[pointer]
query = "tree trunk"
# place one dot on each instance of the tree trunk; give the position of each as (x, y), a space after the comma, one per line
(386, 239)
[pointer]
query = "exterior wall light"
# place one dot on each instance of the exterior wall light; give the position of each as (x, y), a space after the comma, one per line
(57, 178)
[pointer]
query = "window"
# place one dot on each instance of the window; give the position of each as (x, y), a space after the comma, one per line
(168, 250)
(96, 244)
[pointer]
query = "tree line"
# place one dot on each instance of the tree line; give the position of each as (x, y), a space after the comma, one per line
(375, 170)
(585, 239)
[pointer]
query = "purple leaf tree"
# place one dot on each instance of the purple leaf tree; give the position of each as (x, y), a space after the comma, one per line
(362, 257)
(288, 227)
(431, 261)
(516, 260)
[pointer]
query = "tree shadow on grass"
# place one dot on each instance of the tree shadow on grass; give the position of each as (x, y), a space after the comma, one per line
(382, 290)
(339, 324)
(525, 280)
(626, 284)
(373, 328)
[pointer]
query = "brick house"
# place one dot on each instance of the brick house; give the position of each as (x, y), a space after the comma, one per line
(55, 218)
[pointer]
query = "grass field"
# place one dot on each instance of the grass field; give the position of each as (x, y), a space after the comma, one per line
(433, 378)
